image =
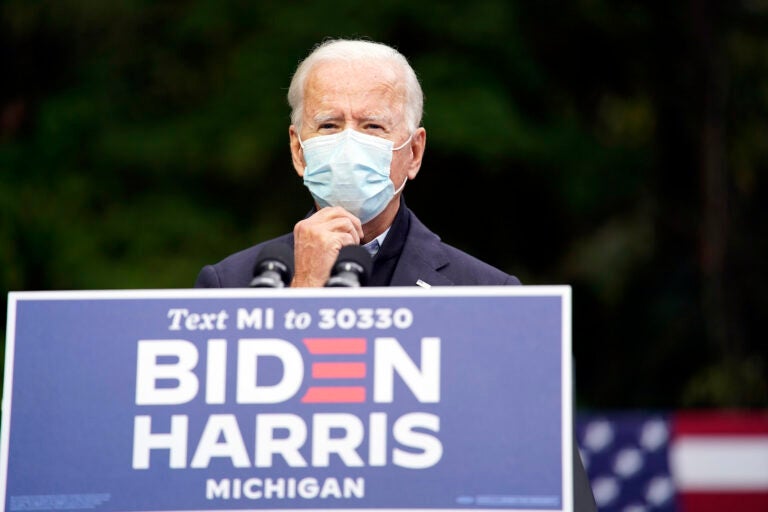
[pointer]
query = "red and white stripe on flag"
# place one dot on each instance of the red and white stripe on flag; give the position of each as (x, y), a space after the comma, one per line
(719, 461)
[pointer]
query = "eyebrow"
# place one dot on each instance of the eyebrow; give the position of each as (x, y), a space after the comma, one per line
(383, 120)
(380, 118)
(322, 118)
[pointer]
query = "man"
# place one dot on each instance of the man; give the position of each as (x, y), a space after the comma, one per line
(356, 140)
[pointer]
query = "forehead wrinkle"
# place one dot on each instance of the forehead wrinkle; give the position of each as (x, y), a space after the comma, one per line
(334, 91)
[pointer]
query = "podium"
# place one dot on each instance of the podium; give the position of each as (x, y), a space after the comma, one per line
(293, 399)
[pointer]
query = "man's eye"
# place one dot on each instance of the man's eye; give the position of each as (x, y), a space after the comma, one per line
(327, 126)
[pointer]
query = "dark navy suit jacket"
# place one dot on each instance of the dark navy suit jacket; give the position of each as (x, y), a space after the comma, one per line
(421, 255)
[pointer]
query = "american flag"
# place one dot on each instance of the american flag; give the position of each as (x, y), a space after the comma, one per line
(693, 461)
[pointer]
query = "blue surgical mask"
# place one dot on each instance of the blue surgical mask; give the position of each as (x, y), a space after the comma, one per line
(350, 169)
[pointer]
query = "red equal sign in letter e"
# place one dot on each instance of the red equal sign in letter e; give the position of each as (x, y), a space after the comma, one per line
(336, 370)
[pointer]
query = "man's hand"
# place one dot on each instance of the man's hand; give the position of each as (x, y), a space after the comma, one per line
(318, 240)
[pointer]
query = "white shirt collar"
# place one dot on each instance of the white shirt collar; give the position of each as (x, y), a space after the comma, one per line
(374, 245)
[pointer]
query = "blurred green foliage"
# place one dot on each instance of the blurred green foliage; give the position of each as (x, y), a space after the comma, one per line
(620, 147)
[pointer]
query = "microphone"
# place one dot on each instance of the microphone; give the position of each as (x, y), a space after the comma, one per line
(352, 268)
(274, 268)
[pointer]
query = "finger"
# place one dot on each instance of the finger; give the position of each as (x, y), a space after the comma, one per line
(337, 212)
(333, 219)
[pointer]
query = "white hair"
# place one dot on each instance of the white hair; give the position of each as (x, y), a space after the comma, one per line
(356, 50)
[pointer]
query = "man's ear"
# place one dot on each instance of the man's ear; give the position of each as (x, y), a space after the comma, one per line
(418, 144)
(297, 154)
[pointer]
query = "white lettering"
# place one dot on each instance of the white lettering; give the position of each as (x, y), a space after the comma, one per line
(149, 371)
(216, 372)
(248, 389)
(281, 488)
(268, 445)
(175, 441)
(430, 446)
(324, 444)
(274, 488)
(330, 488)
(197, 321)
(256, 318)
(232, 446)
(215, 490)
(377, 439)
(308, 488)
(236, 489)
(390, 357)
(251, 488)
(175, 315)
(354, 487)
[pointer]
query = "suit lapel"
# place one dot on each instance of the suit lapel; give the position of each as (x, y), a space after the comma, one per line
(421, 258)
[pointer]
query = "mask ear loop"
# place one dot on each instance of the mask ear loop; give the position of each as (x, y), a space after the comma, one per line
(401, 146)
(401, 186)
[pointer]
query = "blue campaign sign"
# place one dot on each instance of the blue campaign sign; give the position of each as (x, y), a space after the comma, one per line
(344, 399)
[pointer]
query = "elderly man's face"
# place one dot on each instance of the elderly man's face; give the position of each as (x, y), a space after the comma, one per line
(367, 97)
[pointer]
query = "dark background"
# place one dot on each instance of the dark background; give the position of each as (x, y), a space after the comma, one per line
(618, 146)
